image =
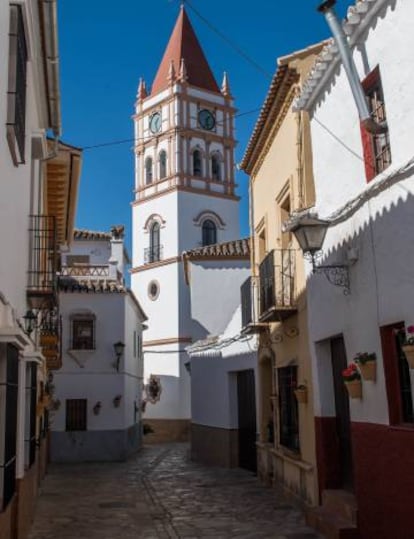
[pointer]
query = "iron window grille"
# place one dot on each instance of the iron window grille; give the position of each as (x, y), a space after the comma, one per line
(16, 116)
(83, 334)
(376, 148)
(43, 255)
(8, 465)
(288, 408)
(76, 414)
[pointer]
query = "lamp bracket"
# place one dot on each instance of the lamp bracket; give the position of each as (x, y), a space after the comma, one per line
(337, 274)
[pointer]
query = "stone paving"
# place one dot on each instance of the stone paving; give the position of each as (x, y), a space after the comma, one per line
(161, 494)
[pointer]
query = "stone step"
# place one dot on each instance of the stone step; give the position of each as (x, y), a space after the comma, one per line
(341, 503)
(330, 524)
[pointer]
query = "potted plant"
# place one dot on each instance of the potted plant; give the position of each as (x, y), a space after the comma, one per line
(367, 365)
(301, 393)
(352, 379)
(408, 346)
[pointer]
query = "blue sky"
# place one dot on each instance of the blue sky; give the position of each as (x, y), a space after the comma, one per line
(105, 47)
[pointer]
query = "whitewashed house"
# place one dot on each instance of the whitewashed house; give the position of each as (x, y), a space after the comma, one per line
(364, 187)
(97, 393)
(222, 361)
(38, 189)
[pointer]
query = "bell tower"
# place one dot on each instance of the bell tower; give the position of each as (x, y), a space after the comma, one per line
(184, 198)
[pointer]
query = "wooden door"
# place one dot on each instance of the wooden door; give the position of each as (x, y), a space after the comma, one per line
(246, 397)
(343, 422)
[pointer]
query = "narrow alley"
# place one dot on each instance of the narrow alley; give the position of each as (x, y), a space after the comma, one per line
(160, 493)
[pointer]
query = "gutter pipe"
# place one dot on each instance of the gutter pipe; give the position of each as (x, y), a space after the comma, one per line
(327, 8)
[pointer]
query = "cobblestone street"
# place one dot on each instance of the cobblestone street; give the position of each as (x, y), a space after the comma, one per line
(161, 494)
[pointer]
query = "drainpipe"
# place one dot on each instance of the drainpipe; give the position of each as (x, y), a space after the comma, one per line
(49, 19)
(327, 8)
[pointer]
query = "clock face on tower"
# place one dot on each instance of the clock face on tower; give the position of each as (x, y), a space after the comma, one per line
(155, 122)
(206, 119)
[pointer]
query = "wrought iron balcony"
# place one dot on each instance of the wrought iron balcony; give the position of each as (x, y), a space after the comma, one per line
(43, 262)
(277, 286)
(250, 307)
(153, 254)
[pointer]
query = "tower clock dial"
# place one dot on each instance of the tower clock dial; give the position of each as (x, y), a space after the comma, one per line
(155, 122)
(206, 119)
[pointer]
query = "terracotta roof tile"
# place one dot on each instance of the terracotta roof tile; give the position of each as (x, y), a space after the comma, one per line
(90, 285)
(183, 44)
(235, 249)
(79, 234)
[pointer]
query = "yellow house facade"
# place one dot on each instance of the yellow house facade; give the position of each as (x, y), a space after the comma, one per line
(278, 160)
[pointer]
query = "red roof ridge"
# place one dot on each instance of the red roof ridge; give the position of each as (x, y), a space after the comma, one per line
(184, 45)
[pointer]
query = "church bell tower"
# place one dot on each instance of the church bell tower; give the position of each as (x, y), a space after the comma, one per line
(184, 199)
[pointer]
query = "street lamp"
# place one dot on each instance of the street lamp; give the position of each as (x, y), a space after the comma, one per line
(310, 233)
(119, 350)
(30, 322)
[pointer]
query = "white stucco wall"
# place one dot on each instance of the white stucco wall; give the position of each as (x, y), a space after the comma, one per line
(381, 279)
(214, 378)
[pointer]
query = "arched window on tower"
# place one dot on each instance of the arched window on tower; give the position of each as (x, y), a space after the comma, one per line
(209, 232)
(215, 167)
(155, 248)
(197, 167)
(148, 170)
(163, 164)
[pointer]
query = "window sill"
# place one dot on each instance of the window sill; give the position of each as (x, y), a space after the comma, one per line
(82, 350)
(293, 458)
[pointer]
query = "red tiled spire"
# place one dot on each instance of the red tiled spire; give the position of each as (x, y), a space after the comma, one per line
(184, 44)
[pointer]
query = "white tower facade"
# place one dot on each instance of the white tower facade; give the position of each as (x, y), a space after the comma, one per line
(184, 198)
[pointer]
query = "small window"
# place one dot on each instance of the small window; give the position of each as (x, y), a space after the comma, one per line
(83, 334)
(76, 414)
(163, 164)
(148, 170)
(285, 210)
(155, 248)
(16, 95)
(288, 408)
(197, 168)
(72, 260)
(215, 167)
(209, 232)
(376, 148)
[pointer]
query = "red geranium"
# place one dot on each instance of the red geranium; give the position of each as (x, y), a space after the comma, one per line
(351, 373)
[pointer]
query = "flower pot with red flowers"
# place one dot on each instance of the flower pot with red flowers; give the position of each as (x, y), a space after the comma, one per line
(408, 346)
(301, 394)
(352, 380)
(367, 365)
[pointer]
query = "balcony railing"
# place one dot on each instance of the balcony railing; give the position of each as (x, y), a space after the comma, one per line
(250, 306)
(43, 261)
(153, 254)
(85, 270)
(277, 285)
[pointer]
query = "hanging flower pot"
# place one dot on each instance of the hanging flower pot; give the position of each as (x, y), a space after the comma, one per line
(352, 379)
(301, 394)
(354, 389)
(408, 350)
(367, 365)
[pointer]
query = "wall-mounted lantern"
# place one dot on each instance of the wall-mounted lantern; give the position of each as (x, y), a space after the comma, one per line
(117, 401)
(119, 350)
(97, 408)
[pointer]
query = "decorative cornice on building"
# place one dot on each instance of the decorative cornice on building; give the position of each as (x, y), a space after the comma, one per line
(280, 86)
(183, 44)
(82, 234)
(159, 263)
(229, 249)
(91, 286)
(359, 17)
(162, 342)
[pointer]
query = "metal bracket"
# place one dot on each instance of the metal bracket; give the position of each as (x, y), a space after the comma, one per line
(337, 274)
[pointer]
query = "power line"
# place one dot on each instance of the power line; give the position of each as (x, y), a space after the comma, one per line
(231, 43)
(129, 140)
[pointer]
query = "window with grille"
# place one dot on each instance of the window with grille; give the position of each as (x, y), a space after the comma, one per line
(83, 333)
(163, 164)
(376, 147)
(76, 413)
(31, 401)
(148, 170)
(288, 408)
(16, 94)
(9, 385)
(215, 167)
